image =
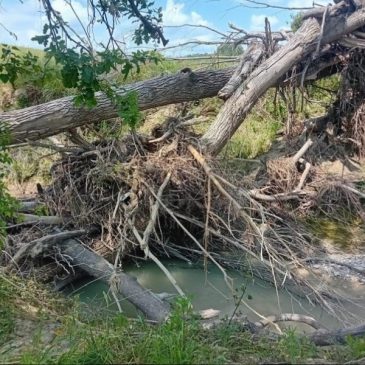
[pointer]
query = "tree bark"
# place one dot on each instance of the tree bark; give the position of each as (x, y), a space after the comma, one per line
(57, 116)
(147, 302)
(335, 337)
(300, 46)
(249, 60)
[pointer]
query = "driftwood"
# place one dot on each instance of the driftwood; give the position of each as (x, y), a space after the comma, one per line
(36, 247)
(32, 219)
(327, 338)
(37, 219)
(289, 317)
(320, 337)
(94, 265)
(28, 206)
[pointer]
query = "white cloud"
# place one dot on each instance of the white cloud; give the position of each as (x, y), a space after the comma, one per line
(174, 14)
(258, 21)
(67, 13)
(24, 19)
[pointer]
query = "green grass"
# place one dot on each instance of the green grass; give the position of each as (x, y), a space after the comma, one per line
(115, 339)
(7, 321)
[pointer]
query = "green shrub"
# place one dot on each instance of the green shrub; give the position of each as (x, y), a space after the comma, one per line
(8, 204)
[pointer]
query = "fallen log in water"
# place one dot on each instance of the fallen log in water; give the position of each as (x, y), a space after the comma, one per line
(147, 302)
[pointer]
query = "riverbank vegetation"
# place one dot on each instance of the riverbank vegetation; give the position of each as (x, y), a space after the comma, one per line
(133, 166)
(42, 328)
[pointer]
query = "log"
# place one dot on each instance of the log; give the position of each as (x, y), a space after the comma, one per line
(32, 219)
(60, 115)
(40, 121)
(301, 45)
(249, 60)
(96, 266)
(28, 206)
(328, 338)
(320, 337)
(36, 247)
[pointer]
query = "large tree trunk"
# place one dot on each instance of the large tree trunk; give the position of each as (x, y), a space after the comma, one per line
(57, 116)
(301, 45)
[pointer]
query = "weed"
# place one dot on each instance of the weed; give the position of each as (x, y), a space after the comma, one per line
(41, 210)
(7, 322)
(356, 347)
(295, 348)
(173, 342)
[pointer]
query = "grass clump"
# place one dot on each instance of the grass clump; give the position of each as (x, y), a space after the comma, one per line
(7, 322)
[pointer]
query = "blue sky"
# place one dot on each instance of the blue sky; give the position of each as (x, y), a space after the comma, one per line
(25, 19)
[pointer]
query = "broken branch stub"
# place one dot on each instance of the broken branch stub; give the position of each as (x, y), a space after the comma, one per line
(249, 61)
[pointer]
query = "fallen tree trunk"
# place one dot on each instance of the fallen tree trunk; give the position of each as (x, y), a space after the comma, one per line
(34, 248)
(328, 338)
(305, 41)
(40, 121)
(148, 303)
(57, 116)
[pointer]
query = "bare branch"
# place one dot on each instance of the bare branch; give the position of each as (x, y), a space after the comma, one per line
(263, 5)
(196, 26)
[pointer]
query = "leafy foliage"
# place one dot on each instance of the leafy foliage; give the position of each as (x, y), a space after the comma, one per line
(12, 63)
(357, 346)
(7, 203)
(84, 67)
(296, 22)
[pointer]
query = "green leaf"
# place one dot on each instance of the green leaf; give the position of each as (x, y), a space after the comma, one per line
(70, 75)
(4, 78)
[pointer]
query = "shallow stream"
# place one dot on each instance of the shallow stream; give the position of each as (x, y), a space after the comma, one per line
(209, 290)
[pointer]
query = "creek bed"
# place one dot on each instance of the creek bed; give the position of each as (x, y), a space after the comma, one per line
(206, 290)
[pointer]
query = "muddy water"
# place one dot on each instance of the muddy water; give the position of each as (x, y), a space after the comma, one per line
(208, 290)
